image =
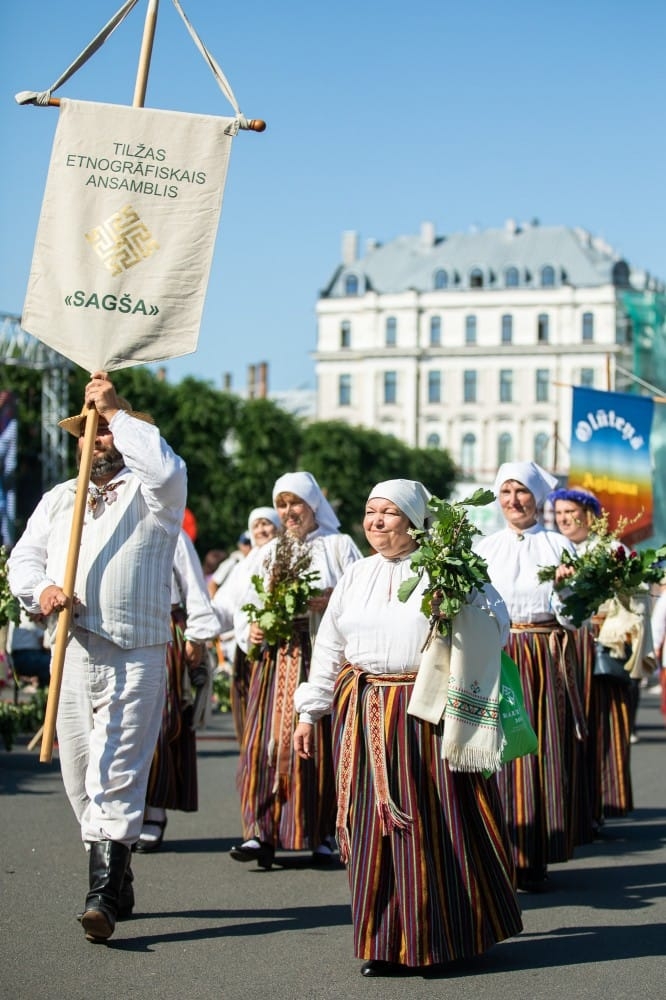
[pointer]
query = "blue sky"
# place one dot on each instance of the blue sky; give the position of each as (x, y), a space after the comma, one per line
(381, 115)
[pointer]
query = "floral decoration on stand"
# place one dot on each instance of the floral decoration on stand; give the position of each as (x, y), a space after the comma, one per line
(446, 557)
(604, 571)
(287, 592)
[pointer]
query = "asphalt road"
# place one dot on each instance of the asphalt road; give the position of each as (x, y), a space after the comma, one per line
(208, 927)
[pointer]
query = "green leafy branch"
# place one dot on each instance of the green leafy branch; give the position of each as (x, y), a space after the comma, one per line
(286, 593)
(606, 569)
(446, 558)
(9, 606)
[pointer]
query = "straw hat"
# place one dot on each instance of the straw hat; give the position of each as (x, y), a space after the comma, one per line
(74, 425)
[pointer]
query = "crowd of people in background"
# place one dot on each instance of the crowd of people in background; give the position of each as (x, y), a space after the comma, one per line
(335, 757)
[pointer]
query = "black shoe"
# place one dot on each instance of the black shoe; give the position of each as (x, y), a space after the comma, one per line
(375, 967)
(150, 846)
(263, 854)
(326, 853)
(531, 879)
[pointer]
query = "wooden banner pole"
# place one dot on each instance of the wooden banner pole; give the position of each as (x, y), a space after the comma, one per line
(145, 54)
(85, 467)
(65, 616)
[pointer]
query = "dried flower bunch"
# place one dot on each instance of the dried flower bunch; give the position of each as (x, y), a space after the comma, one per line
(285, 595)
(446, 557)
(605, 570)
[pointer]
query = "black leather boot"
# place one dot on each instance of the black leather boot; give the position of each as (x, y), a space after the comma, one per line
(108, 865)
(126, 895)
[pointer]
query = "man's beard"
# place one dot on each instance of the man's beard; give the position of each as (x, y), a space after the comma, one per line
(106, 465)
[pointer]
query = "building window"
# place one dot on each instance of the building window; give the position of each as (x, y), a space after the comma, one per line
(541, 390)
(469, 386)
(504, 448)
(434, 387)
(390, 387)
(344, 390)
(588, 328)
(543, 328)
(547, 276)
(587, 377)
(345, 333)
(506, 385)
(391, 332)
(541, 449)
(433, 441)
(435, 331)
(620, 274)
(511, 277)
(468, 455)
(441, 280)
(351, 284)
(507, 329)
(470, 329)
(476, 278)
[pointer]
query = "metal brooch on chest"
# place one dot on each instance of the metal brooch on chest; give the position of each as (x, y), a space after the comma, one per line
(106, 493)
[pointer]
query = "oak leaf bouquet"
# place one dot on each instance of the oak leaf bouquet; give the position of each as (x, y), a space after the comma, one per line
(446, 557)
(605, 570)
(289, 586)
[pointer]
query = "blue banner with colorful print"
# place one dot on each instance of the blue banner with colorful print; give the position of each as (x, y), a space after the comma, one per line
(610, 455)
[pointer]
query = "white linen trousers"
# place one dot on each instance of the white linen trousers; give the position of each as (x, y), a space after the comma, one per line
(109, 717)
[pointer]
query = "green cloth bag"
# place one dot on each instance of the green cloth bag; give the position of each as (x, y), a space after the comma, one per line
(516, 726)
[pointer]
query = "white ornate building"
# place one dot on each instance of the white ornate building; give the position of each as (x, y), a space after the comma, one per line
(472, 341)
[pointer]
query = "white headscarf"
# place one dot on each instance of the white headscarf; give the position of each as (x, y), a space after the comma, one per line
(305, 486)
(407, 494)
(538, 481)
(266, 514)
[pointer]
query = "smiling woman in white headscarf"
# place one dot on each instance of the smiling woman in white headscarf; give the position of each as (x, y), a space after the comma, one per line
(429, 859)
(540, 791)
(285, 801)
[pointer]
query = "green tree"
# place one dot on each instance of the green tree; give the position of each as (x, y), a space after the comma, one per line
(347, 462)
(235, 449)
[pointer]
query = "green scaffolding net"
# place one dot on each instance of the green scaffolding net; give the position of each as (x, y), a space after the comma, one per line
(647, 314)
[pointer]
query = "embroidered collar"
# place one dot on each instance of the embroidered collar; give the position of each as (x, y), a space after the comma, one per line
(106, 493)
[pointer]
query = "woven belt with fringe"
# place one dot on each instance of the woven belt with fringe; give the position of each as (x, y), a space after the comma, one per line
(288, 660)
(390, 816)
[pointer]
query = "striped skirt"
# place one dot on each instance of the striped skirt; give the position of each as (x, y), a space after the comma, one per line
(540, 791)
(172, 783)
(609, 737)
(285, 801)
(429, 860)
(238, 688)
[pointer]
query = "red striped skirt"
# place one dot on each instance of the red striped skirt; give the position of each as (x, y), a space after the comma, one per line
(429, 859)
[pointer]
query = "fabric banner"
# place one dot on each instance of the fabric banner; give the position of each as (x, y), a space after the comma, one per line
(610, 455)
(8, 453)
(126, 233)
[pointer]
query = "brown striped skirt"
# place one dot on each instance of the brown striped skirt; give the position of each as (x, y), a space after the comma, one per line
(429, 860)
(609, 728)
(172, 783)
(542, 792)
(285, 801)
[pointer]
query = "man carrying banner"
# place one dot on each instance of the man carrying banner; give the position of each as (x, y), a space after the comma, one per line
(112, 692)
